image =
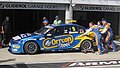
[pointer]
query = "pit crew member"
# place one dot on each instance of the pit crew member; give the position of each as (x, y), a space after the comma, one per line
(97, 35)
(109, 38)
(57, 21)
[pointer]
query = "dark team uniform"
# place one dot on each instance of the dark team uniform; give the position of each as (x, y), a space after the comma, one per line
(7, 31)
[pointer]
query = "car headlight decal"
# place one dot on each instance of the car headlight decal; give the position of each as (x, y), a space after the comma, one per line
(16, 46)
(16, 37)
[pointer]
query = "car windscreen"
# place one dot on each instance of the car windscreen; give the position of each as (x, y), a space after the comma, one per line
(42, 30)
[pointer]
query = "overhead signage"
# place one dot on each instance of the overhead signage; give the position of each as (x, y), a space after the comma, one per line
(32, 6)
(42, 6)
(97, 8)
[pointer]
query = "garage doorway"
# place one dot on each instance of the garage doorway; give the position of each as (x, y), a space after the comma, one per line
(27, 21)
(83, 18)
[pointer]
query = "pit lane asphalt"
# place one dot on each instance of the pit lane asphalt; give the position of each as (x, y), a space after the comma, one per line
(6, 58)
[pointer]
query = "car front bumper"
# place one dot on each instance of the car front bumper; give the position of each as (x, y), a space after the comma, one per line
(15, 48)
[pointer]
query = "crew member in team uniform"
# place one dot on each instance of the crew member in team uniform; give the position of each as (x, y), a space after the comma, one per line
(57, 21)
(45, 21)
(99, 24)
(98, 36)
(109, 38)
(101, 27)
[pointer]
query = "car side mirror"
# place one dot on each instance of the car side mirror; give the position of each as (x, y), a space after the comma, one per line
(48, 35)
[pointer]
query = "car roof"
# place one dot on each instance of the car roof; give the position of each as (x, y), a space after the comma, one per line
(68, 25)
(53, 26)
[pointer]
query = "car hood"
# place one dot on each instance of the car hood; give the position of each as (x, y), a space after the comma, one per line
(26, 35)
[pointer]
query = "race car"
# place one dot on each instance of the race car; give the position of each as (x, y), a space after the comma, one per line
(52, 38)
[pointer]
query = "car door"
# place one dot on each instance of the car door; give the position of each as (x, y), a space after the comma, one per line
(47, 42)
(74, 31)
(61, 37)
(61, 40)
(55, 39)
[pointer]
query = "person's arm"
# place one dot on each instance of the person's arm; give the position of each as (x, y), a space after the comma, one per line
(60, 22)
(104, 30)
(54, 22)
(90, 29)
(2, 30)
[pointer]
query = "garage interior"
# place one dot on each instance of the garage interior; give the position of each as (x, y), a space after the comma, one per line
(23, 21)
(84, 17)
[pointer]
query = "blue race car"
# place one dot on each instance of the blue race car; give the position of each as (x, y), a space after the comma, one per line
(51, 38)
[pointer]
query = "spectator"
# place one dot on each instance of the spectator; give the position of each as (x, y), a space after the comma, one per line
(6, 30)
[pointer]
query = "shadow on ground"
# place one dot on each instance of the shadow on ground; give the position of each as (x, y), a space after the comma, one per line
(118, 47)
(1, 61)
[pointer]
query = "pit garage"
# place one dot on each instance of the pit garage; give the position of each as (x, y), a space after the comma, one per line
(28, 19)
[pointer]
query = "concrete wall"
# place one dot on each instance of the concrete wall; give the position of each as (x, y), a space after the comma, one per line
(98, 2)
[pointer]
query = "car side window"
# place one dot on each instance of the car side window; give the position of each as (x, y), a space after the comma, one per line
(73, 30)
(66, 30)
(59, 31)
(50, 33)
(81, 30)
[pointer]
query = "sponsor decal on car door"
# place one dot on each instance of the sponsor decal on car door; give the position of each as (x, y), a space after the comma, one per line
(62, 41)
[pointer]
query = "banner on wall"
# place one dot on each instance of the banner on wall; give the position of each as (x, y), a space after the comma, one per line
(97, 8)
(32, 6)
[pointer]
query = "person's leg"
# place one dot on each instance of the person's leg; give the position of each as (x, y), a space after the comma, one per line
(99, 49)
(7, 38)
(0, 40)
(104, 44)
(103, 48)
(4, 40)
(98, 41)
(113, 44)
(107, 40)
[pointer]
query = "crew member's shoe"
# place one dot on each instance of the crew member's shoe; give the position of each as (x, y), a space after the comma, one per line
(104, 51)
(100, 53)
(113, 50)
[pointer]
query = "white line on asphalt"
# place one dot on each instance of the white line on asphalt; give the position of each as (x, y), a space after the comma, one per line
(106, 66)
(65, 61)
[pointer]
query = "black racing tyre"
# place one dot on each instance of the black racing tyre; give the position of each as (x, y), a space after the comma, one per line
(86, 45)
(31, 47)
